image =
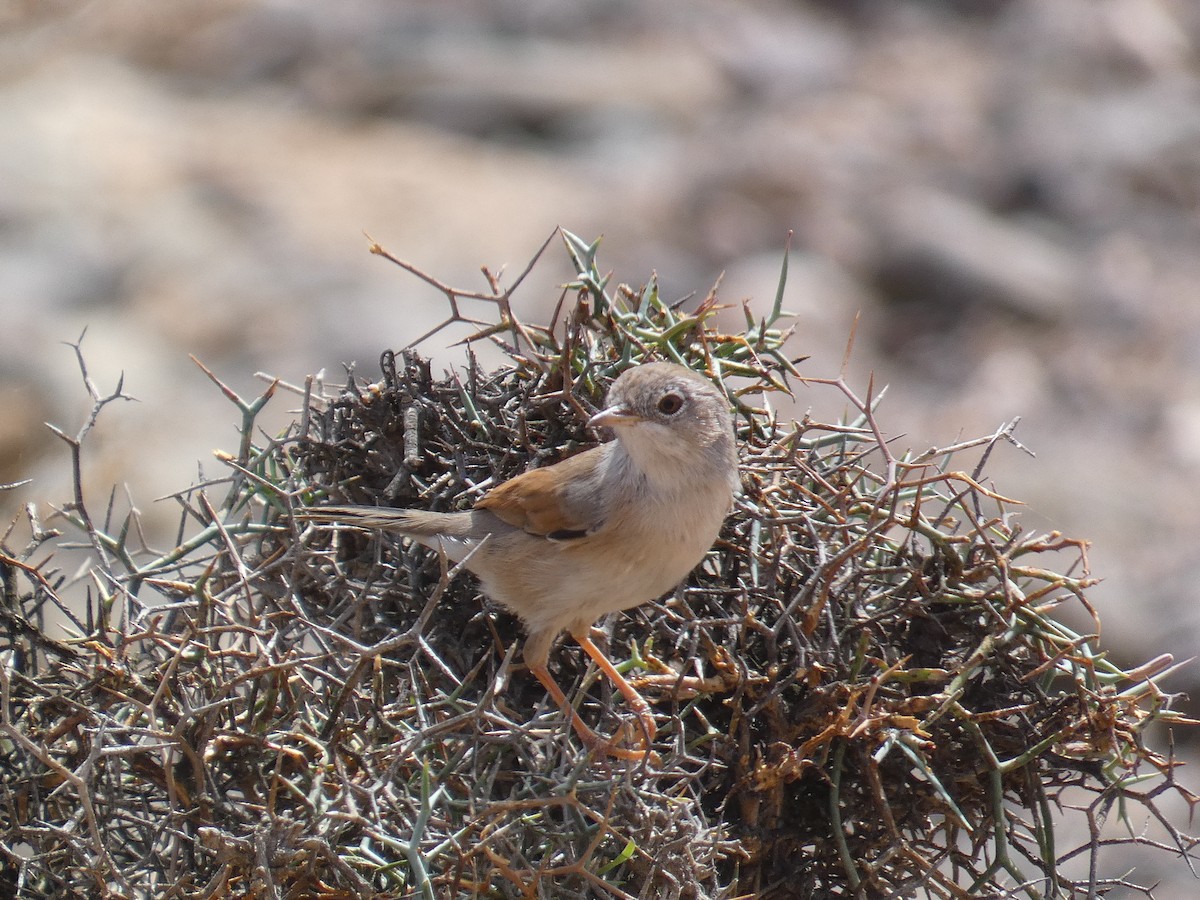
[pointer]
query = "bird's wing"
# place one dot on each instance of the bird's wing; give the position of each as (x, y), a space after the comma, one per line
(552, 502)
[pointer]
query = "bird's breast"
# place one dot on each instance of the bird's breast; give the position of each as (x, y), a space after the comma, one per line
(650, 539)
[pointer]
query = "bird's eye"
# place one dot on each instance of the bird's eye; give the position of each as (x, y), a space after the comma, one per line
(669, 404)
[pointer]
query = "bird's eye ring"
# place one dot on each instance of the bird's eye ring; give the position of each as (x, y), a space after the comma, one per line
(669, 404)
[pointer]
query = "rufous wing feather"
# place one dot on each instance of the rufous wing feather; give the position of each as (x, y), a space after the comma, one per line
(540, 503)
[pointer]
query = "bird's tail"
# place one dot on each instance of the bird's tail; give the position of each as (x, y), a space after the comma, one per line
(416, 523)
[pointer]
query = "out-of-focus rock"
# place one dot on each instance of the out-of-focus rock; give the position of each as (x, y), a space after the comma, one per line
(946, 254)
(23, 436)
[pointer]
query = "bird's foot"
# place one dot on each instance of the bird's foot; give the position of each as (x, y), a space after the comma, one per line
(685, 687)
(616, 747)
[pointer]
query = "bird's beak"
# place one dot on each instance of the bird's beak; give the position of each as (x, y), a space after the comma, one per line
(614, 417)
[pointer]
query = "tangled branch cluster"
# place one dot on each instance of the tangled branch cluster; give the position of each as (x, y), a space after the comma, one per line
(862, 692)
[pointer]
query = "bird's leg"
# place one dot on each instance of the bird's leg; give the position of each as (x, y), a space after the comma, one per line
(590, 739)
(635, 700)
(537, 653)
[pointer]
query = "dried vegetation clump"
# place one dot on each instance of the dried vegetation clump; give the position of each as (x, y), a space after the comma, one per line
(864, 691)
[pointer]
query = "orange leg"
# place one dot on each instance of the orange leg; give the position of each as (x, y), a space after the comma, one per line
(635, 700)
(590, 739)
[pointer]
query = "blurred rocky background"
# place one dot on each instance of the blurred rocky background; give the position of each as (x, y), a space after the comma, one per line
(1007, 191)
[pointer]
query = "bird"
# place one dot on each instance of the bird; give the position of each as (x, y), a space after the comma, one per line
(604, 530)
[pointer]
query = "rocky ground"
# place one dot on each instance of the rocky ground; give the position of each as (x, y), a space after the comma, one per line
(1008, 193)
